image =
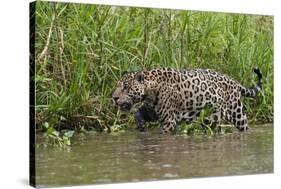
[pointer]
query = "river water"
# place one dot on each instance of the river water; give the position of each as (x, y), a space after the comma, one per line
(132, 156)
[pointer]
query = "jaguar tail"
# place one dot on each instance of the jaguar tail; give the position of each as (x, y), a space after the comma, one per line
(252, 92)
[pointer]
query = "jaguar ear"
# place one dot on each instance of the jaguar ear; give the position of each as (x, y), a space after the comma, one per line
(140, 77)
(124, 73)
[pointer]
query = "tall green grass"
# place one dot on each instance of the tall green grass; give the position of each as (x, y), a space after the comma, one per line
(81, 51)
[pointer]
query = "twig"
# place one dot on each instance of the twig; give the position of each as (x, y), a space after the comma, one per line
(182, 40)
(145, 50)
(45, 50)
(61, 48)
(85, 116)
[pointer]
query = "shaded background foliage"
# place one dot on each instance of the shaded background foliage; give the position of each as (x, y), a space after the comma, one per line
(81, 51)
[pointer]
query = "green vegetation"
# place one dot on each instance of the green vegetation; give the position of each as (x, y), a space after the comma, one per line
(81, 51)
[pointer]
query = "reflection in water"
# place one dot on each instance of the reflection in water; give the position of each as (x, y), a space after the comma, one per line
(134, 156)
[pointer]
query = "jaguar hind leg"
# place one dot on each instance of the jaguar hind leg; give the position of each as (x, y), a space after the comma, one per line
(239, 117)
(235, 113)
(214, 119)
(191, 117)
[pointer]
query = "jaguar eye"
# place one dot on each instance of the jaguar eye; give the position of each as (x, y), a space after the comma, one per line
(125, 86)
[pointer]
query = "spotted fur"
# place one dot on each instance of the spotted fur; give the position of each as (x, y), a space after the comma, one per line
(171, 96)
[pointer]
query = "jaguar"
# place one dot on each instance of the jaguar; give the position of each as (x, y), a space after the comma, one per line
(171, 96)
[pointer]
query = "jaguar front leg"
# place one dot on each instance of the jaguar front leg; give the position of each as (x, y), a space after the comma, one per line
(168, 127)
(168, 115)
(168, 122)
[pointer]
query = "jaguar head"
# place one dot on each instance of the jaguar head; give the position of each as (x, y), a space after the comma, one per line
(130, 90)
